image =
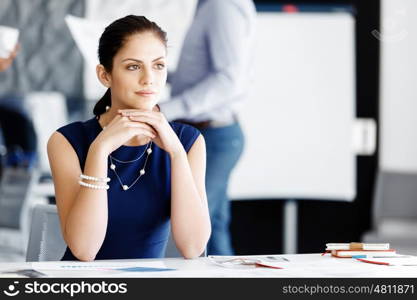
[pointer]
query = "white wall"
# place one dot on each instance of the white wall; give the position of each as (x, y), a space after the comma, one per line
(299, 115)
(398, 110)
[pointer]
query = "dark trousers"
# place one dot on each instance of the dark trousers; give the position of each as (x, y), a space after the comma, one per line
(19, 137)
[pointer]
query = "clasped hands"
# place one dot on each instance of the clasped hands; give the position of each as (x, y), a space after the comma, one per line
(129, 123)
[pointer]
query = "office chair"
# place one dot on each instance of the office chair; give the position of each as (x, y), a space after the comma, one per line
(171, 250)
(15, 193)
(40, 105)
(395, 211)
(45, 240)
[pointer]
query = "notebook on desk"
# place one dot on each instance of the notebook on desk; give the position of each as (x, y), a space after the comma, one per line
(365, 253)
(357, 246)
(348, 250)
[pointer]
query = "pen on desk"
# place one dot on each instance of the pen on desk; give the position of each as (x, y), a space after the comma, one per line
(374, 262)
(380, 256)
(267, 266)
(385, 263)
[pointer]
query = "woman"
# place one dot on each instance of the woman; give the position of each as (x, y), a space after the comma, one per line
(122, 176)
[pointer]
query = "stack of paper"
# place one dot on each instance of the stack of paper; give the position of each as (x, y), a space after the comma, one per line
(97, 268)
(357, 246)
(359, 249)
(241, 262)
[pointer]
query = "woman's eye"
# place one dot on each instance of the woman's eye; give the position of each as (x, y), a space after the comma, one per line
(160, 66)
(133, 67)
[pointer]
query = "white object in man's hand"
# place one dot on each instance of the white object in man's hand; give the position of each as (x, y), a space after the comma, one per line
(8, 40)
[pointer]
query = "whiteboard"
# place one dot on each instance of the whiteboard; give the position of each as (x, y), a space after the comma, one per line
(298, 119)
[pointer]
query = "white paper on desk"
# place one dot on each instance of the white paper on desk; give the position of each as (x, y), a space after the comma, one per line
(242, 262)
(8, 40)
(94, 266)
(396, 261)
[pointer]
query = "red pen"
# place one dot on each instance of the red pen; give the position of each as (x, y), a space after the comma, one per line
(267, 266)
(373, 262)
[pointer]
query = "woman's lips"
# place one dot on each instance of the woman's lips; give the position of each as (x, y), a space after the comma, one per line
(145, 93)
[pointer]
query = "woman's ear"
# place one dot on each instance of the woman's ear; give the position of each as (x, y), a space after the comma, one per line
(103, 76)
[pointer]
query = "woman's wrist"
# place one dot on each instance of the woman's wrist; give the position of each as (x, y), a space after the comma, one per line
(98, 149)
(179, 152)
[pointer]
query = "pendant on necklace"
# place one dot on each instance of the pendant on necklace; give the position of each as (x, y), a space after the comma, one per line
(141, 171)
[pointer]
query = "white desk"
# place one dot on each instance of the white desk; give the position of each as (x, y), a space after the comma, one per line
(299, 265)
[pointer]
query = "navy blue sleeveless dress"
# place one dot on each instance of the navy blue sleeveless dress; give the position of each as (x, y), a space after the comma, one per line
(138, 218)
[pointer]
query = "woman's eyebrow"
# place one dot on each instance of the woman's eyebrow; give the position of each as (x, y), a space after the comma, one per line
(138, 60)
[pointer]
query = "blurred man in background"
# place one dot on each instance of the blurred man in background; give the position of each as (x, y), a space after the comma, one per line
(210, 81)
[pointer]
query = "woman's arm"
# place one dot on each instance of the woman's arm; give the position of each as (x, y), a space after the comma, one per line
(189, 211)
(82, 211)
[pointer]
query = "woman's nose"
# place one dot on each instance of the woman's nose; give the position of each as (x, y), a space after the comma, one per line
(146, 78)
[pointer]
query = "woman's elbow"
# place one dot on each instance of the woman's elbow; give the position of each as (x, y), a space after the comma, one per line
(195, 250)
(81, 250)
(192, 252)
(86, 253)
(86, 256)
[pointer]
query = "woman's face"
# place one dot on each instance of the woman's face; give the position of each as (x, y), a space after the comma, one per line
(139, 72)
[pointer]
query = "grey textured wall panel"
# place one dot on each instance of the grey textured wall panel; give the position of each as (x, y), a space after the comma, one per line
(49, 59)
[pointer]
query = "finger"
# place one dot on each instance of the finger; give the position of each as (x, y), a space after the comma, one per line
(117, 118)
(112, 123)
(142, 131)
(128, 112)
(143, 118)
(142, 125)
(137, 112)
(131, 110)
(146, 119)
(147, 133)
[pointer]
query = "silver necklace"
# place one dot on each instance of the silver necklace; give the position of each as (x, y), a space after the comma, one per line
(133, 160)
(125, 187)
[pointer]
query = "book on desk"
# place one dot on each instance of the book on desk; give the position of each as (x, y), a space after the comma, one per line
(359, 250)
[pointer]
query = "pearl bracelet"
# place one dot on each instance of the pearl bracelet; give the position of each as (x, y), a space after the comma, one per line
(86, 177)
(94, 186)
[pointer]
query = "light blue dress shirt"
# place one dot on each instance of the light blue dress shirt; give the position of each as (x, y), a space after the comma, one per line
(215, 66)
